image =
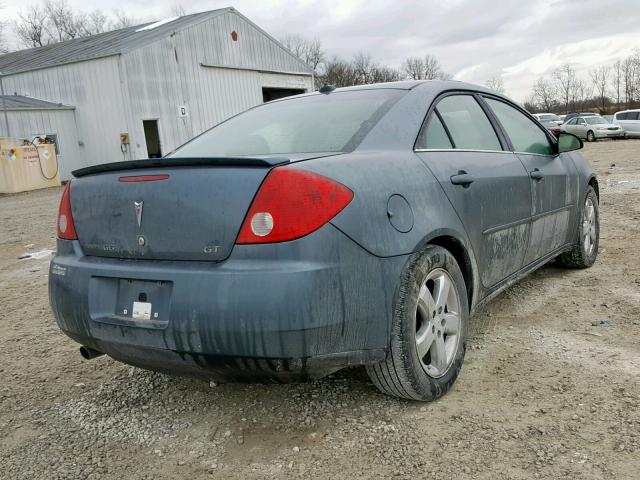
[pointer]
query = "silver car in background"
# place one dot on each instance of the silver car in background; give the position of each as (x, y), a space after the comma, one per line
(592, 128)
(548, 117)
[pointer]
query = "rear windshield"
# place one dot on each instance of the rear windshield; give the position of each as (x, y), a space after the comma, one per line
(336, 122)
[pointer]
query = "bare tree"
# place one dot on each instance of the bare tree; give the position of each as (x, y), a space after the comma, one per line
(496, 84)
(600, 78)
(309, 51)
(414, 68)
(580, 93)
(617, 79)
(30, 27)
(54, 21)
(338, 72)
(427, 68)
(63, 23)
(433, 69)
(545, 94)
(121, 20)
(363, 67)
(384, 74)
(565, 78)
(631, 78)
(178, 10)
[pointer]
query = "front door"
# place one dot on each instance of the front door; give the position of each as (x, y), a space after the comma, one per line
(488, 187)
(553, 181)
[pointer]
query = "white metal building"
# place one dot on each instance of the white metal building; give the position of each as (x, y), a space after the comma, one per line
(142, 91)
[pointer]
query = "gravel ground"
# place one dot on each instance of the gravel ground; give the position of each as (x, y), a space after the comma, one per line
(543, 393)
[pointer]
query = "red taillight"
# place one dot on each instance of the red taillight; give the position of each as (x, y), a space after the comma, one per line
(66, 228)
(290, 204)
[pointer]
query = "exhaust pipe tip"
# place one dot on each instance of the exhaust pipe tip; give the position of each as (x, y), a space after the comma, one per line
(89, 353)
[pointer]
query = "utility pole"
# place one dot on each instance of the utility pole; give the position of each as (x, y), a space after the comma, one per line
(4, 105)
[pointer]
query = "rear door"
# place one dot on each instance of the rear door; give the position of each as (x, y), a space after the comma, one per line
(553, 180)
(632, 123)
(487, 186)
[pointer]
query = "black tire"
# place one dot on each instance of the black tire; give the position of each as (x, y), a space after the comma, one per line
(581, 256)
(591, 136)
(403, 374)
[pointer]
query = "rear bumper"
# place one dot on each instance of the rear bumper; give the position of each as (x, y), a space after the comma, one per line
(293, 310)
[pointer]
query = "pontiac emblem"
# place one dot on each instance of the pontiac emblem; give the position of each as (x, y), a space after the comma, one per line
(138, 207)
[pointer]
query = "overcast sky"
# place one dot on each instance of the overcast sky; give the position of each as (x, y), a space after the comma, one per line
(474, 39)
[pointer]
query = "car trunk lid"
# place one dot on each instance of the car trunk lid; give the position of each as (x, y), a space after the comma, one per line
(166, 209)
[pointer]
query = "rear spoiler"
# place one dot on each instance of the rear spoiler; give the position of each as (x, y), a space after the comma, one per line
(266, 162)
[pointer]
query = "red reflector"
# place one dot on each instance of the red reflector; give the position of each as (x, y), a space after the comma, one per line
(66, 228)
(143, 178)
(290, 204)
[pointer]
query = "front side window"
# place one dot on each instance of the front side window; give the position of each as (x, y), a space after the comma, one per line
(622, 116)
(525, 135)
(468, 125)
(337, 122)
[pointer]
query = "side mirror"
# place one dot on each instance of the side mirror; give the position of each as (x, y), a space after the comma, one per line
(568, 142)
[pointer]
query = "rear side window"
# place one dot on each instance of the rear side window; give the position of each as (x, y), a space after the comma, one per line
(467, 124)
(525, 135)
(633, 115)
(434, 136)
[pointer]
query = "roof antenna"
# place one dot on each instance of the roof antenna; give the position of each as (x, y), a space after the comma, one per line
(327, 89)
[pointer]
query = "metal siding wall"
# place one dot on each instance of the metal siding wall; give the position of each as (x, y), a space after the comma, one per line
(93, 87)
(157, 83)
(27, 123)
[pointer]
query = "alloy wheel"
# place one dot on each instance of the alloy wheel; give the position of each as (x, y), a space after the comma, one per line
(589, 227)
(438, 323)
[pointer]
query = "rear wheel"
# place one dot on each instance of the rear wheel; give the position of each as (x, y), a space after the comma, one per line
(428, 335)
(584, 254)
(591, 137)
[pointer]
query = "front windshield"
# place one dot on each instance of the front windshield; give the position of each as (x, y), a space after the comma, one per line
(595, 120)
(336, 122)
(550, 117)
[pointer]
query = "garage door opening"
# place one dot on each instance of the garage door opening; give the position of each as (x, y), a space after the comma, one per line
(269, 94)
(152, 138)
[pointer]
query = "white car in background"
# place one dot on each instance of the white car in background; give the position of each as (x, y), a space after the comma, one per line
(630, 121)
(592, 128)
(548, 117)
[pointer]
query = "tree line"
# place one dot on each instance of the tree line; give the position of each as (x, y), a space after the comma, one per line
(53, 21)
(361, 69)
(606, 89)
